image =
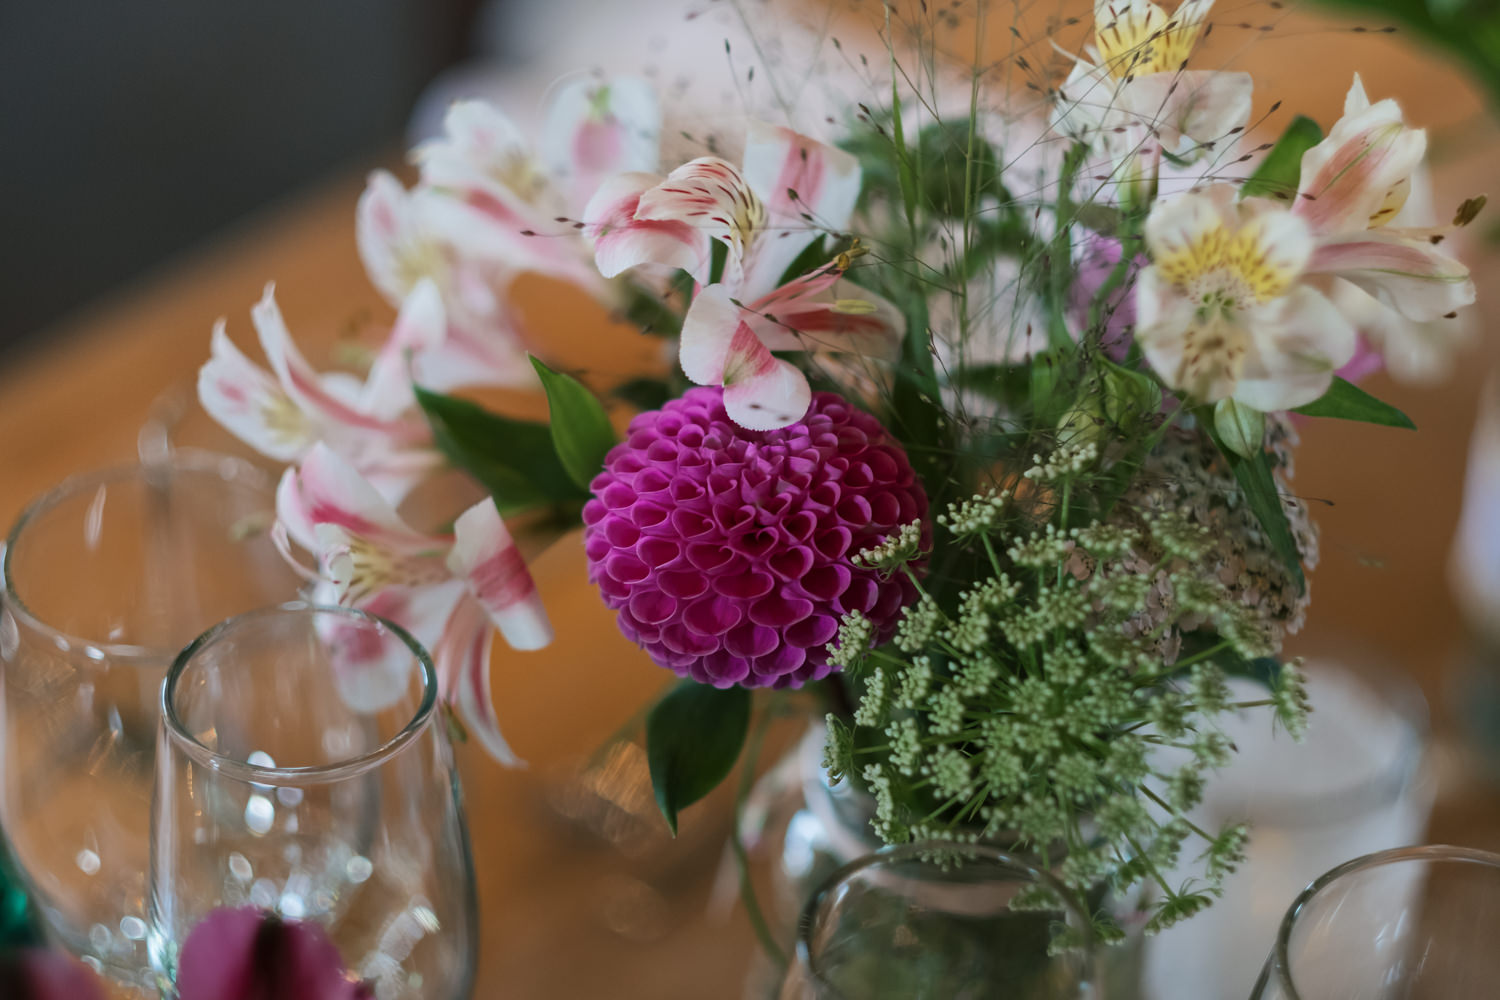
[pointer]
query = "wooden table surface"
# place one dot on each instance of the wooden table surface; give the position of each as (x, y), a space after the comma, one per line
(570, 914)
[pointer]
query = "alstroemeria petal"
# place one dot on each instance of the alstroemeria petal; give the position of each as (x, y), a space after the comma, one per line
(1404, 267)
(1190, 111)
(391, 243)
(1348, 178)
(711, 196)
(622, 241)
(297, 377)
(822, 311)
(773, 397)
(462, 656)
(1300, 341)
(1412, 350)
(478, 141)
(250, 404)
(598, 128)
(807, 188)
(330, 492)
(420, 327)
(486, 558)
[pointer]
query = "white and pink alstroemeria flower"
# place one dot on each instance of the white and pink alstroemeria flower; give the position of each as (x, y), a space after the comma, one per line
(791, 190)
(500, 203)
(1354, 194)
(283, 413)
(1223, 311)
(449, 591)
(1133, 98)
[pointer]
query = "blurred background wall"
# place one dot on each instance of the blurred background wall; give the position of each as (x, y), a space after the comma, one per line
(131, 129)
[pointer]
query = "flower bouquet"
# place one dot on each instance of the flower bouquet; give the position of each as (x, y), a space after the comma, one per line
(977, 430)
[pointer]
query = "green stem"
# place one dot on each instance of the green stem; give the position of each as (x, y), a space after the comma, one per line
(741, 856)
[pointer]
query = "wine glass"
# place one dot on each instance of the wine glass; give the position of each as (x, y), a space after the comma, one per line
(1412, 923)
(282, 786)
(106, 578)
(928, 921)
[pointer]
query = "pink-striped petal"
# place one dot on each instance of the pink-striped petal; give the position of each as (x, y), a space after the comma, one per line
(771, 398)
(462, 658)
(596, 129)
(711, 196)
(486, 558)
(822, 311)
(622, 241)
(388, 236)
(1403, 267)
(713, 323)
(807, 188)
(1367, 159)
(250, 404)
(329, 491)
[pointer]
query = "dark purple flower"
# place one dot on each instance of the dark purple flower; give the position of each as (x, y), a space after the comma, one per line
(251, 954)
(726, 551)
(35, 974)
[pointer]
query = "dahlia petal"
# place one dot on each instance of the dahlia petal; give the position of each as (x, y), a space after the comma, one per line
(486, 558)
(245, 953)
(777, 611)
(49, 975)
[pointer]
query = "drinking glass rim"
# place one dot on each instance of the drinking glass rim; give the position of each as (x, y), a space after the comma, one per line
(313, 774)
(225, 468)
(917, 851)
(1280, 960)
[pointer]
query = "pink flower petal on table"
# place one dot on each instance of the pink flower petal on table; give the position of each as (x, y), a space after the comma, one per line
(622, 241)
(486, 558)
(249, 954)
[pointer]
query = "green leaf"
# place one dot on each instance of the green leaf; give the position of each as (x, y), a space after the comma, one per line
(1346, 401)
(1281, 171)
(581, 431)
(1259, 488)
(513, 459)
(693, 737)
(905, 170)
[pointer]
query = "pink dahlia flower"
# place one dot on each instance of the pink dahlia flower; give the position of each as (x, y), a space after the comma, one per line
(250, 954)
(34, 974)
(726, 551)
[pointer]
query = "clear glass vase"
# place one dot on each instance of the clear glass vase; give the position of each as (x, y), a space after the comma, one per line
(277, 789)
(1408, 924)
(936, 922)
(807, 830)
(106, 578)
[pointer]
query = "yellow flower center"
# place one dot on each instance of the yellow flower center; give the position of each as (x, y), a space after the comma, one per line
(1134, 44)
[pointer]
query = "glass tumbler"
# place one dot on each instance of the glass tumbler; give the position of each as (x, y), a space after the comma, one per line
(106, 578)
(1416, 923)
(930, 921)
(275, 789)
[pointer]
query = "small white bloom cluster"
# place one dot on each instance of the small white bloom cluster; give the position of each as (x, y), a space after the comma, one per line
(893, 553)
(1069, 460)
(1030, 710)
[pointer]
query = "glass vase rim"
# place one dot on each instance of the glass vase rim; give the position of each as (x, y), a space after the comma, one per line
(1280, 961)
(225, 468)
(315, 774)
(916, 851)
